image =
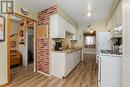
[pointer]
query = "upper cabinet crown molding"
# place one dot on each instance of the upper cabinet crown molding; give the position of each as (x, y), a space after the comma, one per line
(62, 13)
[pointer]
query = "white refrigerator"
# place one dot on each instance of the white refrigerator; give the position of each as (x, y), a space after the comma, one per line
(103, 42)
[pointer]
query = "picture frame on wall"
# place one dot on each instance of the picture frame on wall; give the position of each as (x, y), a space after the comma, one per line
(2, 28)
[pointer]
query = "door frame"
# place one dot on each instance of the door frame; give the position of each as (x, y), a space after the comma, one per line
(9, 42)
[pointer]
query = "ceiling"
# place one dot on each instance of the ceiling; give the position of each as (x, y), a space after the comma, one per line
(76, 9)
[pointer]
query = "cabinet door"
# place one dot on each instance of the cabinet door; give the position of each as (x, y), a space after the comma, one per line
(53, 26)
(126, 43)
(80, 54)
(57, 26)
(127, 30)
(74, 33)
(69, 63)
(126, 75)
(111, 71)
(75, 58)
(61, 27)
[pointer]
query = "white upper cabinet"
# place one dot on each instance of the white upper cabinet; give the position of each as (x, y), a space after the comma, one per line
(72, 30)
(75, 34)
(58, 27)
(116, 19)
(126, 31)
(126, 43)
(53, 26)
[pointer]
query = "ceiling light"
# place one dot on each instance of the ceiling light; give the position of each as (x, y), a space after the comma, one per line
(91, 31)
(89, 7)
(89, 14)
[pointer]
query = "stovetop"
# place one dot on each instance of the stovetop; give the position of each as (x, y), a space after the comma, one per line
(110, 52)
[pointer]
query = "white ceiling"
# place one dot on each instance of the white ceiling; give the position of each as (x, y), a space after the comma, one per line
(76, 9)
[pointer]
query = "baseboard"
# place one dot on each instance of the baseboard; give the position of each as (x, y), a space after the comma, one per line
(3, 85)
(43, 73)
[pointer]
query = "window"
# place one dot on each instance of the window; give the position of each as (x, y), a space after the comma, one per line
(90, 40)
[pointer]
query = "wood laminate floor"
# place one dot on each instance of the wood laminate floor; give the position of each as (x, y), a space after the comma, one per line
(84, 75)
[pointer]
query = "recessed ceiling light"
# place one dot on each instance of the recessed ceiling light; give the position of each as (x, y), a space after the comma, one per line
(89, 7)
(89, 14)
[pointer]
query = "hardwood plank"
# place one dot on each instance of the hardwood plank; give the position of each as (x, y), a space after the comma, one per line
(84, 75)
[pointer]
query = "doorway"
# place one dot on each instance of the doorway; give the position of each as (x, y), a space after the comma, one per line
(30, 45)
(22, 41)
(89, 50)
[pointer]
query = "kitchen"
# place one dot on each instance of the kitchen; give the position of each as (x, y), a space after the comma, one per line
(108, 50)
(74, 47)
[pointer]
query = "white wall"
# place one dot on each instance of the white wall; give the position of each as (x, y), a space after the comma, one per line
(100, 27)
(14, 27)
(3, 59)
(32, 14)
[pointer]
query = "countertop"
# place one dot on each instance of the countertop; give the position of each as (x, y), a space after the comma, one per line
(68, 51)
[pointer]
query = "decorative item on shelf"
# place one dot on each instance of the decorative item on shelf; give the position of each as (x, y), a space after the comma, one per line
(2, 28)
(24, 11)
(14, 41)
(21, 32)
(29, 22)
(22, 41)
(42, 31)
(22, 24)
(13, 44)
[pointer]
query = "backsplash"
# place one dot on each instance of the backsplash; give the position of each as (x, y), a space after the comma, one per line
(66, 43)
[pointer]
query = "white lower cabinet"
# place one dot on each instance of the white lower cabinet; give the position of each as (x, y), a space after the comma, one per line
(110, 71)
(62, 64)
(69, 63)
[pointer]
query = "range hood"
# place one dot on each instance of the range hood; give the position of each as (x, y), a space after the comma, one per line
(117, 33)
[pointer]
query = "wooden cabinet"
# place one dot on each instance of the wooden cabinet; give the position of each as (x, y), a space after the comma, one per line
(66, 62)
(15, 58)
